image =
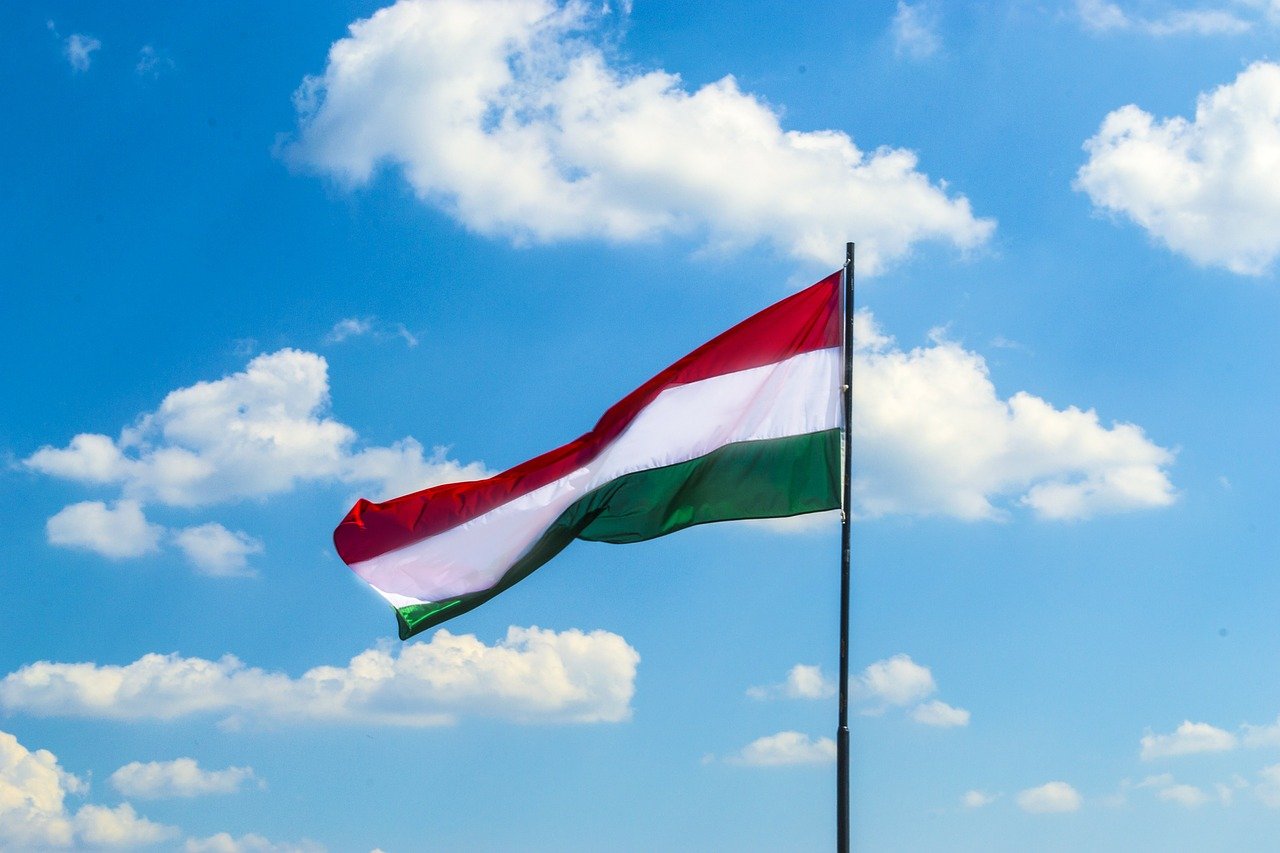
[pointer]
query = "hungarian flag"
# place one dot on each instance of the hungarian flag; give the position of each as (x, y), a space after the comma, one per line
(745, 426)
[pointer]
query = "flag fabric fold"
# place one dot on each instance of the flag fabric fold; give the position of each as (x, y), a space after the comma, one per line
(746, 426)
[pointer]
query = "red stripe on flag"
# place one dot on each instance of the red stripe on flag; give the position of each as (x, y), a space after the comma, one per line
(806, 321)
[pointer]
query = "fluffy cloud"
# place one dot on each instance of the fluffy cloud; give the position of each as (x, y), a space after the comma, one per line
(1187, 739)
(255, 433)
(510, 117)
(786, 748)
(940, 715)
(933, 437)
(182, 777)
(803, 681)
(1206, 188)
(915, 30)
(215, 550)
(251, 434)
(224, 843)
(34, 815)
(99, 826)
(1049, 798)
(899, 681)
(117, 531)
(532, 676)
(1101, 16)
(895, 681)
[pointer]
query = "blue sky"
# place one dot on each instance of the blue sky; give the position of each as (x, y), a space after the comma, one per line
(257, 264)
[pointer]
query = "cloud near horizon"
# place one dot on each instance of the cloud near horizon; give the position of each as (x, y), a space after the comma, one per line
(532, 676)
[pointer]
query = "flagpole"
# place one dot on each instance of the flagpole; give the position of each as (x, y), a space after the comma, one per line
(842, 732)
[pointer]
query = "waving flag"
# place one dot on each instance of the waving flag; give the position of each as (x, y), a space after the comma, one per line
(745, 426)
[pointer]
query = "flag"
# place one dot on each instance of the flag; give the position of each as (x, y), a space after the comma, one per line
(745, 426)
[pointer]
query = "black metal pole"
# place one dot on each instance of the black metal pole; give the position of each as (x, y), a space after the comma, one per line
(846, 503)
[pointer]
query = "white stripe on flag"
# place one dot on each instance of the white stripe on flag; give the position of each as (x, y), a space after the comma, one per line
(796, 396)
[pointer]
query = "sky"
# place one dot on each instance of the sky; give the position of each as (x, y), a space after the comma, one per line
(259, 261)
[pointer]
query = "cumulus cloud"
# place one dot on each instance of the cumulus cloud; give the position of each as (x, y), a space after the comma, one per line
(803, 681)
(915, 30)
(895, 681)
(34, 813)
(99, 826)
(116, 531)
(214, 550)
(512, 118)
(786, 748)
(932, 437)
(182, 777)
(1187, 739)
(940, 715)
(533, 675)
(1206, 187)
(1105, 17)
(259, 432)
(251, 843)
(255, 433)
(1049, 798)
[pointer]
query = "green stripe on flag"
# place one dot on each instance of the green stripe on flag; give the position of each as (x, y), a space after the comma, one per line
(770, 478)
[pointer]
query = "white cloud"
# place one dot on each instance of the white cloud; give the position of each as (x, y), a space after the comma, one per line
(1187, 796)
(78, 49)
(33, 788)
(786, 748)
(34, 814)
(1206, 188)
(182, 777)
(118, 531)
(356, 327)
(1049, 798)
(1102, 16)
(976, 799)
(1261, 736)
(251, 843)
(99, 826)
(932, 437)
(940, 714)
(1187, 739)
(915, 30)
(895, 681)
(512, 119)
(349, 327)
(251, 434)
(1268, 789)
(151, 63)
(534, 675)
(803, 681)
(215, 550)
